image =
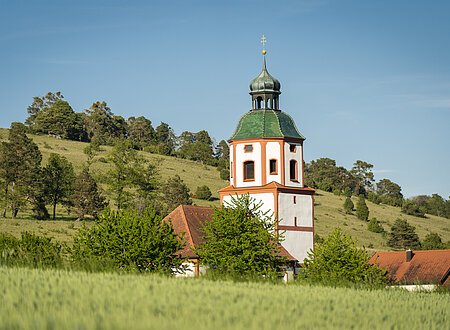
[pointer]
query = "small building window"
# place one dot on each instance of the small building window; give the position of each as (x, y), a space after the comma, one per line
(292, 148)
(273, 166)
(249, 171)
(293, 170)
(248, 148)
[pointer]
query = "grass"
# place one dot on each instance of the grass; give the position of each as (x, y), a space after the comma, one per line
(328, 211)
(56, 299)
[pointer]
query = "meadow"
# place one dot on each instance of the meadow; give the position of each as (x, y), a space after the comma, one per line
(58, 299)
(329, 212)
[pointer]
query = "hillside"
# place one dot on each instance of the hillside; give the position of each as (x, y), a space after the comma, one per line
(328, 211)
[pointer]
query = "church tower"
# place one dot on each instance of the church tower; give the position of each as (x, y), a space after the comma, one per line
(266, 162)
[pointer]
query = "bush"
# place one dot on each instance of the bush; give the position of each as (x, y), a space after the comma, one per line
(348, 206)
(339, 261)
(432, 242)
(30, 250)
(375, 226)
(203, 192)
(130, 241)
(362, 211)
(373, 197)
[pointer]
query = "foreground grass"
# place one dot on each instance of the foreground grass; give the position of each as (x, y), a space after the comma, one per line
(53, 299)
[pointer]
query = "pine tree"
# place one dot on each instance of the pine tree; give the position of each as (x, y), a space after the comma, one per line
(176, 192)
(403, 236)
(348, 206)
(87, 198)
(362, 211)
(20, 161)
(432, 242)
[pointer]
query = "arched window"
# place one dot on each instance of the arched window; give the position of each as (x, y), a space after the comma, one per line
(249, 170)
(273, 167)
(258, 102)
(293, 170)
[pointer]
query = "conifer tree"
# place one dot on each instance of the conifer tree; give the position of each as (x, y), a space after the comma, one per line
(87, 198)
(362, 211)
(403, 236)
(175, 193)
(348, 206)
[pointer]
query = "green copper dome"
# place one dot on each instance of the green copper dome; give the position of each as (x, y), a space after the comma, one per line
(265, 82)
(266, 124)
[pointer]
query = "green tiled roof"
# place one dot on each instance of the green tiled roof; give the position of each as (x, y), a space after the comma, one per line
(266, 124)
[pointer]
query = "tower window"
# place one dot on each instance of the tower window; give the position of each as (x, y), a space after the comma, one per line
(293, 170)
(292, 148)
(249, 171)
(295, 199)
(273, 166)
(248, 148)
(231, 170)
(295, 221)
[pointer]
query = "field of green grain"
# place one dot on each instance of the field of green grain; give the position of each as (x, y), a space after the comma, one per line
(328, 210)
(56, 299)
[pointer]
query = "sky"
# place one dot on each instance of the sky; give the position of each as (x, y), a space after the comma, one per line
(366, 80)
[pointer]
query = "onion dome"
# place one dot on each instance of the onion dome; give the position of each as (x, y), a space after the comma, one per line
(265, 83)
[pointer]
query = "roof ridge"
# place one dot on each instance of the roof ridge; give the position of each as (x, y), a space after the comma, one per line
(183, 215)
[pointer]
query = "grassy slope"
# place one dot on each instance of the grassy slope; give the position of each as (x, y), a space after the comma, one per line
(328, 211)
(58, 299)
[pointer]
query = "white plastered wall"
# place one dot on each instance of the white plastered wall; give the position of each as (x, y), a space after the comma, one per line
(267, 200)
(288, 156)
(298, 243)
(241, 157)
(302, 209)
(273, 152)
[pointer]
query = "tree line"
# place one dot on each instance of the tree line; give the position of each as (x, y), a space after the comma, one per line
(51, 114)
(324, 174)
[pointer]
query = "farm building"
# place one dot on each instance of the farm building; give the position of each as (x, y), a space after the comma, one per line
(416, 267)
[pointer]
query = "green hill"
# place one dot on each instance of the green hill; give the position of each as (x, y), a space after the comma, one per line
(328, 211)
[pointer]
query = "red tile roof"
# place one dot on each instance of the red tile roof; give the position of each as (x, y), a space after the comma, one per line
(425, 267)
(188, 220)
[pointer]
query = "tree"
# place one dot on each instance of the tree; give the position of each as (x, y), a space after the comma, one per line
(87, 198)
(362, 211)
(390, 192)
(103, 127)
(165, 138)
(240, 240)
(339, 260)
(58, 178)
(432, 242)
(141, 132)
(203, 192)
(175, 193)
(41, 103)
(60, 120)
(20, 161)
(129, 240)
(362, 171)
(375, 226)
(403, 236)
(348, 206)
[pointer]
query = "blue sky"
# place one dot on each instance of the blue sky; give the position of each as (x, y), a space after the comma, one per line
(363, 80)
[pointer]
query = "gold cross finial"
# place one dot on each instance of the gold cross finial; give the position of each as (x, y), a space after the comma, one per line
(263, 42)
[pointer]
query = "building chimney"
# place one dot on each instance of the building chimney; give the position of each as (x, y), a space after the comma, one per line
(409, 255)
